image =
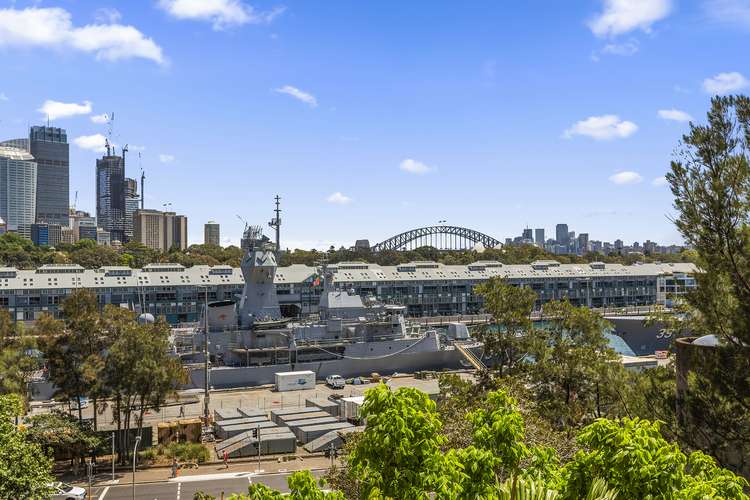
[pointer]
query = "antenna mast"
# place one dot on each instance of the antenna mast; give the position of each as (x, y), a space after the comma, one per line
(276, 222)
(143, 181)
(110, 125)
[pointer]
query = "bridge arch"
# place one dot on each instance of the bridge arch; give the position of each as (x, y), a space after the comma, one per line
(440, 237)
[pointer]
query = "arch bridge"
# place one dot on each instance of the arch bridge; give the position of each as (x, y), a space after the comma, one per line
(440, 237)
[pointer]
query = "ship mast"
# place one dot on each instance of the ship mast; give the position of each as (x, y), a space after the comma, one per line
(276, 223)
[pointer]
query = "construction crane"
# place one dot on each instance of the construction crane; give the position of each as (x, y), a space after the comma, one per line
(124, 150)
(75, 202)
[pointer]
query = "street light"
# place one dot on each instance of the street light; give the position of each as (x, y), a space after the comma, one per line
(135, 456)
(206, 371)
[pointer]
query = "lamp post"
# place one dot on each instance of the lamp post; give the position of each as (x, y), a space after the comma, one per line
(206, 362)
(113, 456)
(135, 456)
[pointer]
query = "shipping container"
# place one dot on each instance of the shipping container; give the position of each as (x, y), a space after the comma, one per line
(226, 414)
(349, 408)
(238, 421)
(294, 381)
(275, 414)
(298, 424)
(283, 419)
(332, 407)
(270, 444)
(307, 434)
(247, 411)
(227, 431)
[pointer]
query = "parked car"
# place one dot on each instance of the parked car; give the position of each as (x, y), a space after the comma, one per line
(335, 381)
(84, 403)
(64, 491)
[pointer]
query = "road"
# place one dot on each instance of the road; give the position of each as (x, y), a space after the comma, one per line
(184, 488)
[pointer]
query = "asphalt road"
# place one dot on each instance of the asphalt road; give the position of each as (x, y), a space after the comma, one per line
(185, 487)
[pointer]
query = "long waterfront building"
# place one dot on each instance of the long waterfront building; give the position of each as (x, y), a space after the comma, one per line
(425, 288)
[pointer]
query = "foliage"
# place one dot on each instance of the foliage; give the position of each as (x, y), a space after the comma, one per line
(17, 363)
(302, 486)
(60, 433)
(710, 181)
(24, 467)
(508, 340)
(632, 456)
(572, 360)
(500, 430)
(398, 455)
(188, 452)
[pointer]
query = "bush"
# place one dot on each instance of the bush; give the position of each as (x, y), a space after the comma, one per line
(188, 452)
(150, 455)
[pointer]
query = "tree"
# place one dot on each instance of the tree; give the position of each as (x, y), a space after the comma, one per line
(508, 339)
(633, 457)
(74, 347)
(17, 356)
(710, 181)
(24, 467)
(572, 361)
(59, 433)
(398, 454)
(302, 486)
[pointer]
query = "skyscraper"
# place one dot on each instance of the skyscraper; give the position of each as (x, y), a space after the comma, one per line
(526, 235)
(18, 182)
(49, 147)
(211, 233)
(110, 195)
(583, 243)
(132, 201)
(561, 234)
(539, 237)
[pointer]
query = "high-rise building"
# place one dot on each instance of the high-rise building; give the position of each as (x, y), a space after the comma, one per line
(17, 143)
(132, 202)
(211, 233)
(18, 172)
(561, 234)
(527, 234)
(161, 231)
(49, 147)
(110, 195)
(43, 233)
(618, 245)
(583, 243)
(539, 237)
(80, 219)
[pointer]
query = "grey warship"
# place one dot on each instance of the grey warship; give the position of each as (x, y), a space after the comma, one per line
(249, 340)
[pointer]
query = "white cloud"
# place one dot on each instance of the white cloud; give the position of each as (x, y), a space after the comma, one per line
(622, 16)
(660, 181)
(94, 142)
(298, 94)
(165, 158)
(53, 28)
(339, 199)
(625, 177)
(107, 15)
(56, 109)
(674, 115)
(621, 49)
(415, 167)
(221, 13)
(729, 11)
(102, 118)
(603, 127)
(725, 83)
(3, 97)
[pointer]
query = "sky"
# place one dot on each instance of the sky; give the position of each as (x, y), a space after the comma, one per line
(371, 118)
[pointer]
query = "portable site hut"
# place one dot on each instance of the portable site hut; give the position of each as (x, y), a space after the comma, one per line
(309, 433)
(275, 414)
(326, 405)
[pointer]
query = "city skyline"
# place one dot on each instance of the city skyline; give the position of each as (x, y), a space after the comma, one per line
(373, 122)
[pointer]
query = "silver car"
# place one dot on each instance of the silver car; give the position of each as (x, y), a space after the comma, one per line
(64, 491)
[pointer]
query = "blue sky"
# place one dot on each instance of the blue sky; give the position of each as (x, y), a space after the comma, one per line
(370, 118)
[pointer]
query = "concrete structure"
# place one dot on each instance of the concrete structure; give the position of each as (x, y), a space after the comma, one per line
(160, 230)
(49, 147)
(46, 234)
(212, 234)
(425, 288)
(18, 184)
(110, 195)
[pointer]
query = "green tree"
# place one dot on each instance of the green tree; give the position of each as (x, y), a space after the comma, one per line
(24, 467)
(572, 361)
(508, 339)
(398, 455)
(60, 433)
(710, 181)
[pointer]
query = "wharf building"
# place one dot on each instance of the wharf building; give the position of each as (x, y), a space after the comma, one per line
(424, 288)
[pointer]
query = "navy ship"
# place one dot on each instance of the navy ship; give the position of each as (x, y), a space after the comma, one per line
(249, 340)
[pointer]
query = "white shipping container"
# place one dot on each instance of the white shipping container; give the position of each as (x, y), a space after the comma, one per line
(295, 381)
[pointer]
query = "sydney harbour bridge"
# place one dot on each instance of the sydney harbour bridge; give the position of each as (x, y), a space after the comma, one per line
(440, 237)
